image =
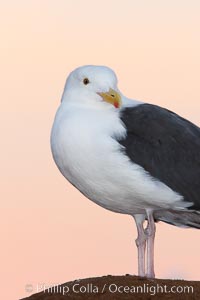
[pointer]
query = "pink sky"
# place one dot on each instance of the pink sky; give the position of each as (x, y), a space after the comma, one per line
(49, 232)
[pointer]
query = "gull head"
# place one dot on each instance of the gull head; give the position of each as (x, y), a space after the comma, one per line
(94, 86)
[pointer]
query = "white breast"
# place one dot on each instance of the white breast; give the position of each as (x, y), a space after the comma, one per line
(88, 155)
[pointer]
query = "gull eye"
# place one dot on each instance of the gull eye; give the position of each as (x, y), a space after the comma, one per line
(86, 81)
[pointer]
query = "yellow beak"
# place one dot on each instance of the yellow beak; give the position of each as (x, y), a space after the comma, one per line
(112, 97)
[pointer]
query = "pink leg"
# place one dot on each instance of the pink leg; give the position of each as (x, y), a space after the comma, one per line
(150, 235)
(141, 244)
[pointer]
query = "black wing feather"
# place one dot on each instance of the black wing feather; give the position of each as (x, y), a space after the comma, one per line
(167, 146)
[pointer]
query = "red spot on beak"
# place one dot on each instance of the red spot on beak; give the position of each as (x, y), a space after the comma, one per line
(116, 104)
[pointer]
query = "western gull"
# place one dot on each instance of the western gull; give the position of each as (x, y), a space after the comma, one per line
(128, 156)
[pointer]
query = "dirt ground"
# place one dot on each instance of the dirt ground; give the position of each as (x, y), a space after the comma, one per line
(121, 287)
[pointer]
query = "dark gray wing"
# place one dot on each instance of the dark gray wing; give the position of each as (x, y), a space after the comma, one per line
(167, 146)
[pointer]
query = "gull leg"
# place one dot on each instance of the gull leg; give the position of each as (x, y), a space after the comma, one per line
(140, 243)
(150, 235)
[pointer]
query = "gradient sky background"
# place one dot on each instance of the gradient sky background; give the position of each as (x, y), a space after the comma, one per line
(49, 232)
